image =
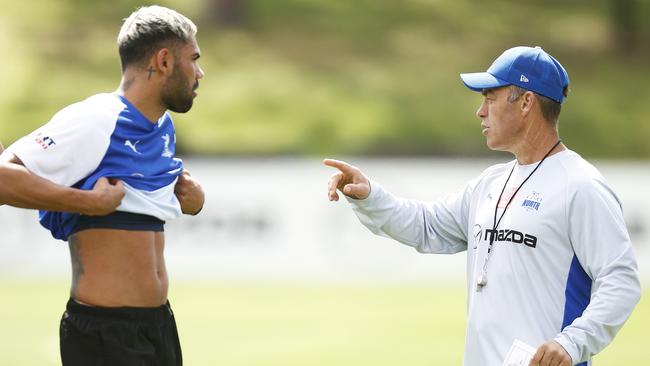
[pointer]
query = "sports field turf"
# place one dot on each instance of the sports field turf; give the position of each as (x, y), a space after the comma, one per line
(291, 325)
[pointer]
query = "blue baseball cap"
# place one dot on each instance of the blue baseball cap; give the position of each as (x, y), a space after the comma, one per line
(530, 68)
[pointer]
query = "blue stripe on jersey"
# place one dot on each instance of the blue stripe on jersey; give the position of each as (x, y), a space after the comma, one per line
(140, 153)
(577, 294)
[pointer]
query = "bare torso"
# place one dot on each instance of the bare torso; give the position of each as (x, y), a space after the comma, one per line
(113, 268)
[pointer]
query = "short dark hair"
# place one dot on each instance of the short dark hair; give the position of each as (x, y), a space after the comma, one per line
(150, 28)
(550, 108)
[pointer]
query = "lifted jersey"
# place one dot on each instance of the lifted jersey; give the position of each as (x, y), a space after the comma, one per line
(105, 136)
(561, 265)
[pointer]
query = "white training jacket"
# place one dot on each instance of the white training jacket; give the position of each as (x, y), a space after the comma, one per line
(561, 266)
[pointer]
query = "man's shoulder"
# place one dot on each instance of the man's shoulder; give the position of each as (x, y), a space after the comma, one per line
(578, 170)
(495, 170)
(488, 175)
(103, 107)
(584, 179)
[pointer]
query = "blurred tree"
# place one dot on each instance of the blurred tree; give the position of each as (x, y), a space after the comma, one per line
(625, 24)
(230, 13)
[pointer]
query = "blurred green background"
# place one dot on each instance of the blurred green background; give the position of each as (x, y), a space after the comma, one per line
(249, 324)
(318, 77)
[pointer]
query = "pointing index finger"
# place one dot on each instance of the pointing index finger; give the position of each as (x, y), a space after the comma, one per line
(338, 164)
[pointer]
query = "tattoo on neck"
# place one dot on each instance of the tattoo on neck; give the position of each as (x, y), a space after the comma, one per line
(150, 70)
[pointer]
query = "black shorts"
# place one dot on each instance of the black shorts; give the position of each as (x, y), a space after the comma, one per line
(125, 336)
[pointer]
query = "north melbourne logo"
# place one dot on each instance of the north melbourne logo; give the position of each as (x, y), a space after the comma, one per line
(532, 202)
(167, 153)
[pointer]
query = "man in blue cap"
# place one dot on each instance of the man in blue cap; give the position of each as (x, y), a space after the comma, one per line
(551, 272)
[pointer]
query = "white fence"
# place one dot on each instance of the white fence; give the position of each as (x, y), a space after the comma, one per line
(269, 219)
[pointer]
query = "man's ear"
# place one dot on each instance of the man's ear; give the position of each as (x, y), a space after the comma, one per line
(527, 101)
(163, 61)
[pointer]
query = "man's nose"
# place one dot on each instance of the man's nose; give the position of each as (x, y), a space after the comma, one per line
(481, 112)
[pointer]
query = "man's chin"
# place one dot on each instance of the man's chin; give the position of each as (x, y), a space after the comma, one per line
(492, 145)
(181, 108)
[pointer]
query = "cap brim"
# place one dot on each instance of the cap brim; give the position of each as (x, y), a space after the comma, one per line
(478, 81)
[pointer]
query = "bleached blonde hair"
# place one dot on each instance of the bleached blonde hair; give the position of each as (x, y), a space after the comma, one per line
(149, 29)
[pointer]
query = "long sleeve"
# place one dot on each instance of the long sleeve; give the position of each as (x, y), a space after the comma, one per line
(438, 227)
(603, 250)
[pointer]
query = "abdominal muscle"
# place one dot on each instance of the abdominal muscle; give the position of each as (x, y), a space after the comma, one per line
(113, 268)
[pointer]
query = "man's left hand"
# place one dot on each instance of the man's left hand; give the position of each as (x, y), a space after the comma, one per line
(189, 193)
(551, 353)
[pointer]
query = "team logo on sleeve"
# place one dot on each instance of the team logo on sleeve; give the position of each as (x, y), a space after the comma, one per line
(45, 141)
(532, 202)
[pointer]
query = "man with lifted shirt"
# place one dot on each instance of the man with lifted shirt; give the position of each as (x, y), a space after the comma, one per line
(20, 188)
(118, 313)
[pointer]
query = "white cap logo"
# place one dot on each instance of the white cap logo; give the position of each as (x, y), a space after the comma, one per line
(523, 78)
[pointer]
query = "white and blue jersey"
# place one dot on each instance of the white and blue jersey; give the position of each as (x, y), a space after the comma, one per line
(561, 266)
(106, 136)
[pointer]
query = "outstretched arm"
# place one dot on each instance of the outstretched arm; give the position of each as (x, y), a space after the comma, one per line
(439, 227)
(20, 188)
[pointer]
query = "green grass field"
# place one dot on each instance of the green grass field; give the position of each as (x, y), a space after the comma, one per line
(290, 325)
